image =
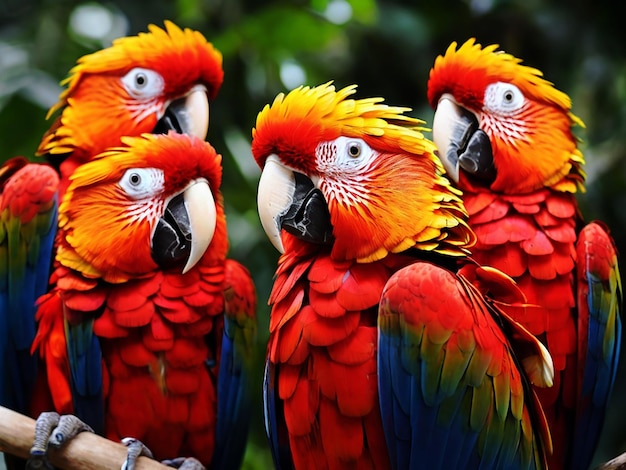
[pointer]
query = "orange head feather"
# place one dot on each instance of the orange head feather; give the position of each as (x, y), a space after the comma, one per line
(531, 137)
(105, 230)
(388, 198)
(99, 104)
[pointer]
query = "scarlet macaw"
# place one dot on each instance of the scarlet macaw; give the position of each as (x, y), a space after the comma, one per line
(505, 136)
(153, 82)
(147, 330)
(148, 326)
(380, 355)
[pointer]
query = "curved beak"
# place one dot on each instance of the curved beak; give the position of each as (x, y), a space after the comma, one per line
(274, 196)
(186, 228)
(290, 201)
(460, 142)
(187, 115)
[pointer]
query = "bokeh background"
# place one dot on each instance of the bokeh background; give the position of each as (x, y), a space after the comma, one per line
(387, 48)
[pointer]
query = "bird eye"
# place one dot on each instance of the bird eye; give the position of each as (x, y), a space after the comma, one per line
(354, 149)
(134, 179)
(143, 83)
(142, 182)
(504, 98)
(141, 79)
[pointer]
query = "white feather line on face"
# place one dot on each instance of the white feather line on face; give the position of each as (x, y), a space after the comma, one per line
(504, 103)
(345, 165)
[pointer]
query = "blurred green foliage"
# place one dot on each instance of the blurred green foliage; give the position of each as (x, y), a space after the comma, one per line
(387, 48)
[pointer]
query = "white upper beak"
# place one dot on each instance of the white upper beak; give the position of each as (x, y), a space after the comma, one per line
(200, 206)
(274, 197)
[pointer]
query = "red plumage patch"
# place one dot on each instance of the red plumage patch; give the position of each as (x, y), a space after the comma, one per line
(561, 206)
(353, 387)
(88, 301)
(156, 344)
(538, 245)
(292, 348)
(362, 286)
(494, 211)
(326, 276)
(134, 353)
(509, 258)
(105, 327)
(182, 381)
(284, 310)
(342, 436)
(67, 280)
(357, 348)
(478, 202)
(300, 406)
(326, 305)
(136, 317)
(161, 329)
(511, 229)
(322, 331)
(563, 233)
(187, 352)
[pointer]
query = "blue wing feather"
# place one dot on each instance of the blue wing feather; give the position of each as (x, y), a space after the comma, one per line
(234, 402)
(278, 439)
(236, 364)
(599, 310)
(25, 263)
(419, 441)
(433, 416)
(85, 358)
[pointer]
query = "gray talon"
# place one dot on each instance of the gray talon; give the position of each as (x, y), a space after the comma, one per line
(69, 426)
(44, 425)
(184, 463)
(136, 448)
(54, 430)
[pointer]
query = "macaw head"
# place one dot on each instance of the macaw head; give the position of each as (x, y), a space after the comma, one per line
(153, 82)
(153, 204)
(499, 124)
(357, 175)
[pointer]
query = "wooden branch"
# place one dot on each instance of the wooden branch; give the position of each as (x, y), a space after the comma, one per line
(618, 463)
(86, 451)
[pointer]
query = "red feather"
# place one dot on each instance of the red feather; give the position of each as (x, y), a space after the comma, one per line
(358, 348)
(323, 331)
(561, 206)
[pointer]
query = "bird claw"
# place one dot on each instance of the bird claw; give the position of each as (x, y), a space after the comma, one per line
(52, 430)
(136, 448)
(184, 463)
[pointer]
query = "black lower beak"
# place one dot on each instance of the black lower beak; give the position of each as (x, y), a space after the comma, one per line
(169, 121)
(471, 147)
(308, 217)
(171, 242)
(477, 158)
